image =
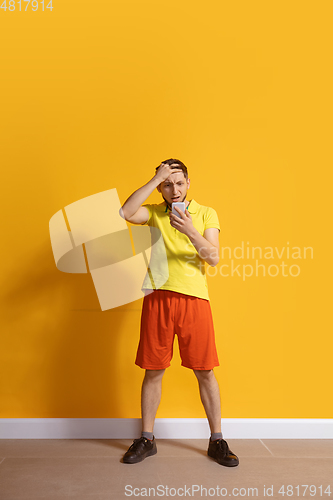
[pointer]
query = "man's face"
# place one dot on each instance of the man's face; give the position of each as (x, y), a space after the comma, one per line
(174, 188)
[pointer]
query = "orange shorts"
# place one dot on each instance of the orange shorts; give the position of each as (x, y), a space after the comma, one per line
(166, 313)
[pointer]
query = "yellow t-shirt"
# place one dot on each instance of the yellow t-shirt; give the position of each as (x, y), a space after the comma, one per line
(187, 272)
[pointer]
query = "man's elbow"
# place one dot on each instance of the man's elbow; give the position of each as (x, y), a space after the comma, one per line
(214, 262)
(121, 213)
(215, 258)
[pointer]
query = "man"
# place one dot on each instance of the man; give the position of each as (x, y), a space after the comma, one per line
(180, 305)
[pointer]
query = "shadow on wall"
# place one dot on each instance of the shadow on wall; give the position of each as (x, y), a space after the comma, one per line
(66, 357)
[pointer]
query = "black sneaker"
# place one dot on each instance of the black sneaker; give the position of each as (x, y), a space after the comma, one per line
(219, 450)
(139, 450)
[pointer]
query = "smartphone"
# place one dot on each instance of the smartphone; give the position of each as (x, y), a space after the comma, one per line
(179, 204)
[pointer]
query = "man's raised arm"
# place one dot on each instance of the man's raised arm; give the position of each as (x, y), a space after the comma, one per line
(134, 202)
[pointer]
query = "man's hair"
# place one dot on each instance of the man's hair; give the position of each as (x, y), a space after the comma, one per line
(170, 161)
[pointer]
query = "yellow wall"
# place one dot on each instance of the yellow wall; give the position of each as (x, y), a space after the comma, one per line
(94, 95)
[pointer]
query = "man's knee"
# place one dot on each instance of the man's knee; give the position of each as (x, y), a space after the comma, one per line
(154, 374)
(203, 375)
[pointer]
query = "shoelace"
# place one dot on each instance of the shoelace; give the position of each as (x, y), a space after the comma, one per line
(136, 441)
(223, 445)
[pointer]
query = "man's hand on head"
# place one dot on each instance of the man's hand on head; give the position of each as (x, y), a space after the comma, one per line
(164, 170)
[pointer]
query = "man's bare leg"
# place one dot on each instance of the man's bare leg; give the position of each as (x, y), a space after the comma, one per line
(210, 397)
(150, 397)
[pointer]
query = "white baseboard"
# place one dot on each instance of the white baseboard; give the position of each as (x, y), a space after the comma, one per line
(165, 428)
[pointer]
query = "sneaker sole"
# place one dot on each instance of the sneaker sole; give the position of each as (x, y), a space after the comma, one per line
(226, 464)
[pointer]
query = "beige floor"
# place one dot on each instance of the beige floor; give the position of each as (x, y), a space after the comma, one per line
(80, 469)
